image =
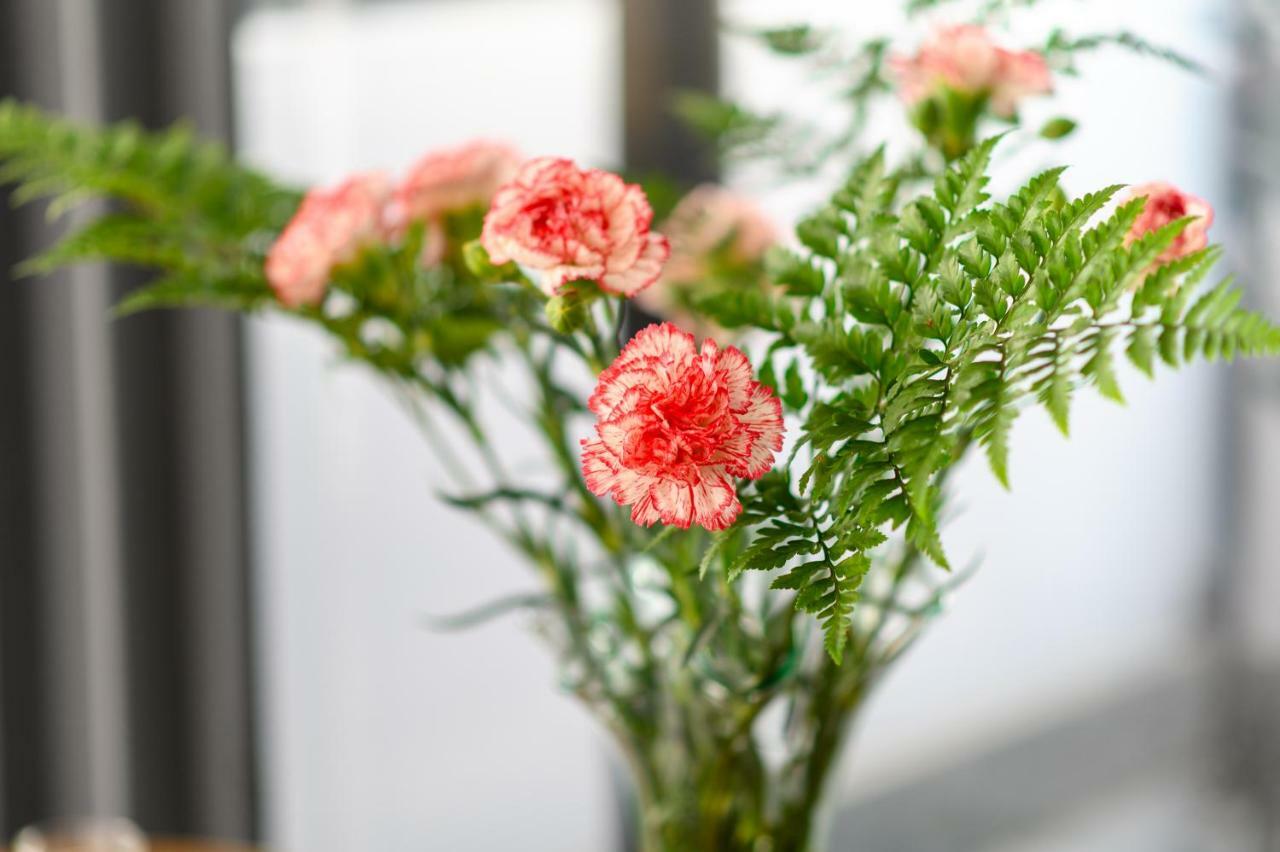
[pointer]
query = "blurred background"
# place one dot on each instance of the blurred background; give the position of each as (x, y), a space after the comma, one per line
(218, 547)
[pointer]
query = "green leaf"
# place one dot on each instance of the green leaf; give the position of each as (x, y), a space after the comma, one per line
(488, 612)
(727, 124)
(168, 175)
(1057, 128)
(121, 238)
(1142, 348)
(821, 233)
(798, 40)
(1101, 368)
(711, 554)
(993, 431)
(1055, 387)
(775, 544)
(795, 395)
(234, 293)
(923, 533)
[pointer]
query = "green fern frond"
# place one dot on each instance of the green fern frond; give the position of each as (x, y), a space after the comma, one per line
(938, 323)
(169, 175)
(245, 293)
(177, 205)
(134, 240)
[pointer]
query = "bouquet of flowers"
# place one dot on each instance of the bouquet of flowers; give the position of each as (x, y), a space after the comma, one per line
(738, 510)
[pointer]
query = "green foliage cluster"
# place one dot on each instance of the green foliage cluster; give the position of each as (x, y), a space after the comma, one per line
(177, 204)
(900, 334)
(912, 332)
(185, 209)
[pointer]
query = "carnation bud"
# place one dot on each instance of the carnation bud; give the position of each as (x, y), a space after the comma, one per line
(570, 310)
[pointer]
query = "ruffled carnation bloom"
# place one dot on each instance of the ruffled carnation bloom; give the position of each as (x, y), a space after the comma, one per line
(329, 228)
(1166, 203)
(449, 181)
(562, 223)
(676, 425)
(964, 58)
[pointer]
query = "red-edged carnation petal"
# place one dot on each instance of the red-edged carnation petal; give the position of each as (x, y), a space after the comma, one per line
(675, 426)
(562, 223)
(1166, 203)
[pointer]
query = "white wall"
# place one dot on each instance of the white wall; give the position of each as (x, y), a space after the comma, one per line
(380, 735)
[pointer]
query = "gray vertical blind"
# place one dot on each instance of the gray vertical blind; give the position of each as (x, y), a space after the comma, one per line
(1248, 594)
(124, 662)
(670, 46)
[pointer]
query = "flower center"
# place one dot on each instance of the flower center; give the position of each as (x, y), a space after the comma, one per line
(565, 219)
(1169, 207)
(689, 424)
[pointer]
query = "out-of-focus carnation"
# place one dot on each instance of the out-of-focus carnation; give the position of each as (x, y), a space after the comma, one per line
(450, 181)
(965, 59)
(709, 219)
(676, 425)
(1023, 74)
(1166, 203)
(718, 237)
(454, 179)
(562, 223)
(330, 227)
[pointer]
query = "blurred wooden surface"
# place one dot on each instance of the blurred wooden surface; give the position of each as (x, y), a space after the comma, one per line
(161, 844)
(178, 845)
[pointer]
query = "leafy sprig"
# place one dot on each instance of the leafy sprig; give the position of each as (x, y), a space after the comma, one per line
(178, 205)
(931, 326)
(1063, 49)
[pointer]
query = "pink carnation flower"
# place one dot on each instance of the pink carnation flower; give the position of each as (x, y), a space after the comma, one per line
(1023, 73)
(454, 179)
(562, 223)
(964, 58)
(709, 218)
(1166, 203)
(676, 425)
(330, 227)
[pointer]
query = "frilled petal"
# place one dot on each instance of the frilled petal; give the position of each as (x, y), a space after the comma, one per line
(1021, 73)
(1166, 203)
(605, 475)
(563, 223)
(653, 357)
(645, 269)
(629, 217)
(753, 448)
(454, 179)
(329, 228)
(552, 280)
(710, 502)
(737, 375)
(298, 267)
(964, 58)
(676, 425)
